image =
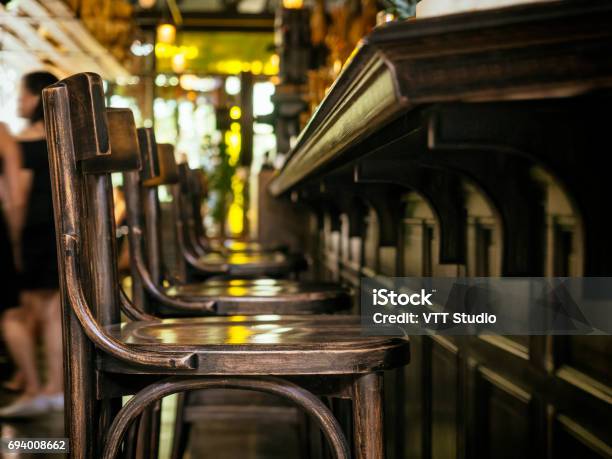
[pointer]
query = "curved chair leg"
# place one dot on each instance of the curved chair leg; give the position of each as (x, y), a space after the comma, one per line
(368, 417)
(144, 434)
(148, 432)
(301, 397)
(132, 436)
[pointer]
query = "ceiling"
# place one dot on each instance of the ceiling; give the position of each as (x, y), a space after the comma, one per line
(234, 15)
(46, 34)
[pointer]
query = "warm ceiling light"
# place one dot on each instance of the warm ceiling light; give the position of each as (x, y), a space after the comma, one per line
(293, 4)
(179, 63)
(235, 112)
(147, 3)
(166, 33)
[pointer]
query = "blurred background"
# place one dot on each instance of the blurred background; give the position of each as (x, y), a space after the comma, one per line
(229, 82)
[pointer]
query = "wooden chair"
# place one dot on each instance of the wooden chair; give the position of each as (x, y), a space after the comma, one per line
(154, 358)
(194, 189)
(246, 296)
(253, 264)
(153, 288)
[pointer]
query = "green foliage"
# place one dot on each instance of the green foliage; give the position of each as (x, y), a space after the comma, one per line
(221, 184)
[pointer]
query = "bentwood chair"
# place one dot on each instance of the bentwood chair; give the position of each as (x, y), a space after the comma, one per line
(154, 358)
(154, 290)
(275, 264)
(246, 296)
(194, 190)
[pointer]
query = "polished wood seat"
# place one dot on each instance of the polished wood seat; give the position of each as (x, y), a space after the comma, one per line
(103, 358)
(222, 345)
(216, 296)
(237, 245)
(246, 264)
(269, 296)
(225, 296)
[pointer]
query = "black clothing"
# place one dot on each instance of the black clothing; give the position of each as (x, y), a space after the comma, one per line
(9, 293)
(38, 238)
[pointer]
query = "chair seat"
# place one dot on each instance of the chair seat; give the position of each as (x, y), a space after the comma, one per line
(234, 245)
(263, 345)
(251, 264)
(264, 296)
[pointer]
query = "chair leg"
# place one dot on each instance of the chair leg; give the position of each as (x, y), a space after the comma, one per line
(148, 433)
(131, 439)
(181, 429)
(80, 399)
(368, 416)
(155, 430)
(143, 446)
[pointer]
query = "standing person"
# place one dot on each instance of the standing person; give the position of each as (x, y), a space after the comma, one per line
(39, 277)
(11, 220)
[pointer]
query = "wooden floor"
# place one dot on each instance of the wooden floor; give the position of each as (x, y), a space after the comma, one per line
(218, 440)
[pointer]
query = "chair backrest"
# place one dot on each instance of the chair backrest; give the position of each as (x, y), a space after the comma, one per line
(199, 191)
(189, 200)
(150, 173)
(144, 212)
(169, 172)
(82, 155)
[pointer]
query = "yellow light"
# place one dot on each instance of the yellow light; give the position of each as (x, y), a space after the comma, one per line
(235, 217)
(235, 112)
(293, 4)
(238, 334)
(272, 66)
(166, 51)
(236, 282)
(337, 66)
(245, 66)
(233, 140)
(166, 33)
(179, 63)
(230, 67)
(235, 127)
(146, 3)
(190, 52)
(162, 50)
(256, 67)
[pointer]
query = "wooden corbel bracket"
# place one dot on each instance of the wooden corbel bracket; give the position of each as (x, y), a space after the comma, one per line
(440, 188)
(566, 137)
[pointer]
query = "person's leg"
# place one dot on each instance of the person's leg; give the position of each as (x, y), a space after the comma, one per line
(17, 381)
(15, 384)
(21, 345)
(20, 339)
(51, 320)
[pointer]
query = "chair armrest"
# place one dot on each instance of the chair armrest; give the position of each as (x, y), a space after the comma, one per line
(98, 336)
(131, 311)
(153, 289)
